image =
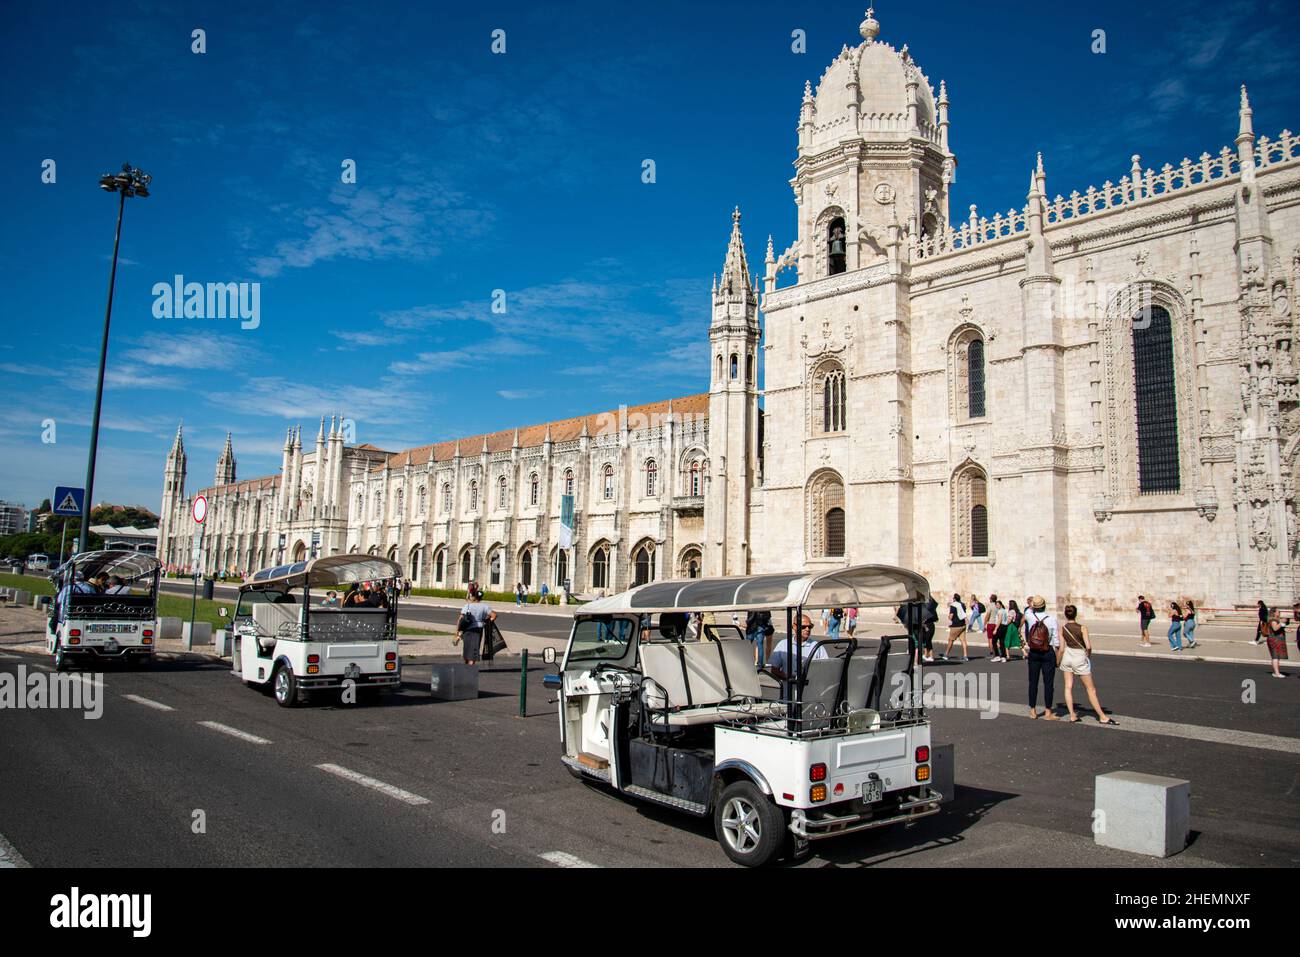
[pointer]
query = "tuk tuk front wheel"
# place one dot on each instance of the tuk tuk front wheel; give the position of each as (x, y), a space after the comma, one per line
(285, 686)
(748, 825)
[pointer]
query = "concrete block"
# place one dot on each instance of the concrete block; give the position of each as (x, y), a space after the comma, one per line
(222, 641)
(22, 597)
(198, 633)
(1142, 813)
(943, 770)
(169, 628)
(454, 682)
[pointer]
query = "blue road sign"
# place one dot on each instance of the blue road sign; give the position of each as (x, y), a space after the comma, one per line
(68, 501)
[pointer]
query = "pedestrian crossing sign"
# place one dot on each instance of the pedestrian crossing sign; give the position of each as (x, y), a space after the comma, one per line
(68, 501)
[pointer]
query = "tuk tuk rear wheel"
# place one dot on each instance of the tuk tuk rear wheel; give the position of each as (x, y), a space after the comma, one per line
(750, 828)
(285, 687)
(60, 659)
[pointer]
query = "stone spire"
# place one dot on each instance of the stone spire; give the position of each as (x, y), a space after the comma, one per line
(735, 271)
(177, 454)
(226, 464)
(320, 434)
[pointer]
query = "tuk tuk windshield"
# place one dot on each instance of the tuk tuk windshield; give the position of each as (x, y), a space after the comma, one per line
(604, 638)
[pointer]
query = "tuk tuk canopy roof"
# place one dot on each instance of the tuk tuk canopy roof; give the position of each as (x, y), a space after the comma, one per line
(124, 563)
(860, 586)
(326, 571)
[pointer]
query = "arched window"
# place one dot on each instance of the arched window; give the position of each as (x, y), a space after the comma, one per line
(422, 499)
(600, 568)
(439, 563)
(719, 375)
(836, 248)
(695, 482)
(825, 516)
(568, 481)
(401, 496)
(969, 375)
(1156, 401)
(360, 507)
(501, 493)
(735, 365)
(532, 489)
(643, 563)
(970, 513)
(414, 566)
(473, 495)
(651, 478)
(466, 567)
(378, 510)
(526, 568)
(446, 497)
(749, 369)
(561, 567)
(829, 399)
(494, 567)
(607, 483)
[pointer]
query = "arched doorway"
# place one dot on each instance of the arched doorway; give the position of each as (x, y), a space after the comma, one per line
(299, 552)
(690, 563)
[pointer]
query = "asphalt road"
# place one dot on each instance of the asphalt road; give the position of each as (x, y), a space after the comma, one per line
(470, 784)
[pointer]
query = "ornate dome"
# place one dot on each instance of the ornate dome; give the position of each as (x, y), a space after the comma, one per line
(870, 81)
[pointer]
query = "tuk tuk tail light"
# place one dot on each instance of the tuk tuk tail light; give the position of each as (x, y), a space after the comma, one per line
(923, 754)
(391, 656)
(817, 793)
(148, 632)
(390, 666)
(74, 632)
(817, 772)
(313, 669)
(923, 772)
(148, 639)
(313, 659)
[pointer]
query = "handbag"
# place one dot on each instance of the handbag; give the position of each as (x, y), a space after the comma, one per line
(466, 622)
(496, 644)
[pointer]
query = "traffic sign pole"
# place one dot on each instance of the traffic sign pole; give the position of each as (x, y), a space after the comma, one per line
(199, 513)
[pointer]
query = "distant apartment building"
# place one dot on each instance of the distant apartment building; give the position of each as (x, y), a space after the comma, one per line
(14, 518)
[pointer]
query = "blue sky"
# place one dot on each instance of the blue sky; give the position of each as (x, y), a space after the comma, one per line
(478, 172)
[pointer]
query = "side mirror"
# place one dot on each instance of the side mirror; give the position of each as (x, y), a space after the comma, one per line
(548, 655)
(554, 682)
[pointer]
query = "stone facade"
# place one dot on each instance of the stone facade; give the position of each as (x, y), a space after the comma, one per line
(1087, 397)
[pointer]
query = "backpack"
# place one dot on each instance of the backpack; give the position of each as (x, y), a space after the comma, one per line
(1040, 639)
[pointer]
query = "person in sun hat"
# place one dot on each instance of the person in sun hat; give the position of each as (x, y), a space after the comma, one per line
(1041, 642)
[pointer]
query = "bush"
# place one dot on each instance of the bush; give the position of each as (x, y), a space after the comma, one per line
(497, 596)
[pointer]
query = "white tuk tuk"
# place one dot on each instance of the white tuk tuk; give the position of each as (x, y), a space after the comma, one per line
(285, 637)
(105, 607)
(681, 719)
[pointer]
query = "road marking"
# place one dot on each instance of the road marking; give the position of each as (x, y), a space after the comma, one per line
(234, 732)
(1172, 729)
(9, 657)
(561, 859)
(148, 703)
(392, 791)
(9, 856)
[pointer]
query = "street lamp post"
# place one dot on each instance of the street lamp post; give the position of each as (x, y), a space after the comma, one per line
(129, 182)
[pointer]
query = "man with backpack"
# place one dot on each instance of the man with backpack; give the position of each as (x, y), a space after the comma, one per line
(1146, 614)
(1040, 647)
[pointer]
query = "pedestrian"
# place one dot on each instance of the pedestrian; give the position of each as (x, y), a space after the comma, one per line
(929, 620)
(956, 628)
(758, 629)
(910, 615)
(1276, 643)
(1001, 620)
(1015, 617)
(1145, 616)
(976, 615)
(1074, 657)
(850, 620)
(406, 592)
(545, 591)
(833, 623)
(519, 594)
(1175, 626)
(1261, 631)
(474, 617)
(1041, 640)
(1189, 623)
(991, 625)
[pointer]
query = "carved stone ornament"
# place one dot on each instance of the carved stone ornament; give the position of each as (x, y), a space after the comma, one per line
(1103, 507)
(1207, 503)
(884, 194)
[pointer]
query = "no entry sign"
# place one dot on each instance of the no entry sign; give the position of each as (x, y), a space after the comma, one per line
(200, 509)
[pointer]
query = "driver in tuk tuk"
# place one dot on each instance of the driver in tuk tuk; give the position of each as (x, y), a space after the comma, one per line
(779, 663)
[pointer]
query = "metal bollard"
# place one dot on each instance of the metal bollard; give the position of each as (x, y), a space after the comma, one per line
(523, 683)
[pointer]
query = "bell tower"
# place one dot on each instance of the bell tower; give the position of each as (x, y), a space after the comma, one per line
(873, 153)
(733, 413)
(173, 502)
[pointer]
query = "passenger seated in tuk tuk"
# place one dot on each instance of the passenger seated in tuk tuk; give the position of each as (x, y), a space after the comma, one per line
(780, 664)
(117, 586)
(354, 598)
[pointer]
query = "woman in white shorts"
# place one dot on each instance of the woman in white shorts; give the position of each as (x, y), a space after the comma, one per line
(1074, 657)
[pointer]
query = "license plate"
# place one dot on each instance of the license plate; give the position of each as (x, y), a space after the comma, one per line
(110, 646)
(872, 790)
(100, 629)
